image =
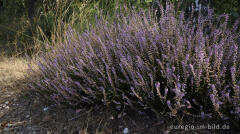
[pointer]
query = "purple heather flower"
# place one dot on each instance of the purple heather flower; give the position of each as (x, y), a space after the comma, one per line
(169, 104)
(137, 53)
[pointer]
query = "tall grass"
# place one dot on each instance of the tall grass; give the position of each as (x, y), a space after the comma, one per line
(24, 32)
(169, 65)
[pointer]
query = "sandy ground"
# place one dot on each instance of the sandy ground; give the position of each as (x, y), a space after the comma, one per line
(11, 71)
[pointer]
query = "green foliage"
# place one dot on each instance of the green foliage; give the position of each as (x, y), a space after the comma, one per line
(11, 22)
(227, 6)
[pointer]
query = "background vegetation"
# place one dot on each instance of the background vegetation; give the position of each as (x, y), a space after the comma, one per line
(24, 24)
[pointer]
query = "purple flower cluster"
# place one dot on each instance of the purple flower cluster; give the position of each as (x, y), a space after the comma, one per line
(141, 61)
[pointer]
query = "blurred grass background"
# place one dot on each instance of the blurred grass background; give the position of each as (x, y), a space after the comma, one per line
(26, 25)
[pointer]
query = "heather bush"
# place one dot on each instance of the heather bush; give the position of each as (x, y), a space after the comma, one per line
(167, 65)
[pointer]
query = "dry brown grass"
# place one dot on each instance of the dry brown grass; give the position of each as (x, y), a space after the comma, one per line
(11, 70)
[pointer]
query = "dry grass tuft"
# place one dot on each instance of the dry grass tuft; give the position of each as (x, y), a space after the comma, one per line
(11, 70)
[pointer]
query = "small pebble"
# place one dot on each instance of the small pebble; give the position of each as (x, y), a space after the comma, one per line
(45, 109)
(6, 129)
(166, 132)
(125, 131)
(111, 117)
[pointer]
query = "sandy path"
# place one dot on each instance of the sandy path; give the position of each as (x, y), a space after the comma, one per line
(11, 71)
